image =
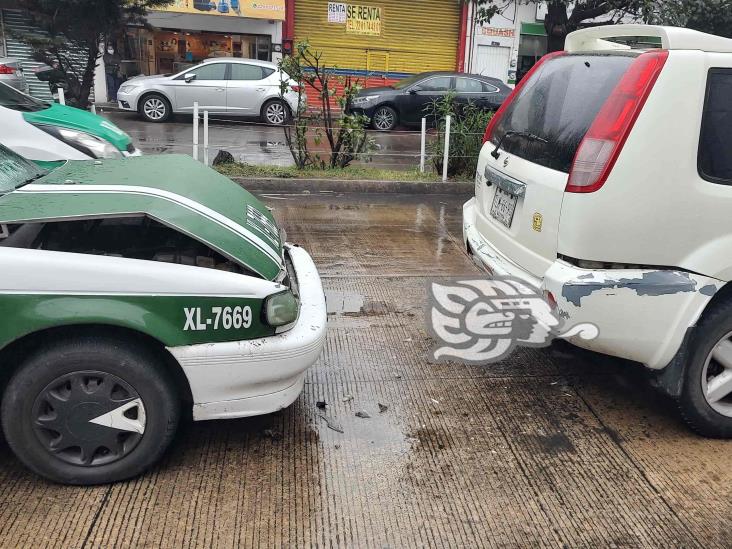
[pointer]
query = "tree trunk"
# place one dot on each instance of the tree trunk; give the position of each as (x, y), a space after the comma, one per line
(87, 80)
(556, 25)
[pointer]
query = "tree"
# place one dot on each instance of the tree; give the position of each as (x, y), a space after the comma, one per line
(80, 25)
(565, 16)
(712, 16)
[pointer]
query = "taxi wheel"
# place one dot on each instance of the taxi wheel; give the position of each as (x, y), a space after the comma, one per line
(155, 108)
(706, 397)
(90, 411)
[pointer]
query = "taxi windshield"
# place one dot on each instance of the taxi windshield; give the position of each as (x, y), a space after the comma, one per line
(16, 171)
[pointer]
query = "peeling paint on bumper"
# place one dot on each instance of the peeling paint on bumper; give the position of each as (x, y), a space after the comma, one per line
(642, 315)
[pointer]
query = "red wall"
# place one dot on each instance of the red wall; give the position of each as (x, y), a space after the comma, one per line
(367, 82)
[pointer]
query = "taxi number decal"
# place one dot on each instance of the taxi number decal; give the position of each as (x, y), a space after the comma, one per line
(221, 317)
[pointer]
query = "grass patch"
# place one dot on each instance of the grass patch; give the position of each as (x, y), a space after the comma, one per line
(236, 169)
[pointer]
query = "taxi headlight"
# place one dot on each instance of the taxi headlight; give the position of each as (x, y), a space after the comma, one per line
(281, 309)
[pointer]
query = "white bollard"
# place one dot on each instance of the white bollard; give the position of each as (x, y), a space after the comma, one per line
(61, 97)
(205, 137)
(422, 149)
(447, 148)
(195, 130)
(93, 108)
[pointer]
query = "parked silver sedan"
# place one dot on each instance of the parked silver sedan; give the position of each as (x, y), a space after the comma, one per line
(11, 73)
(224, 86)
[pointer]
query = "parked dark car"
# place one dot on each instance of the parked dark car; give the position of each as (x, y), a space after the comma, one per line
(408, 100)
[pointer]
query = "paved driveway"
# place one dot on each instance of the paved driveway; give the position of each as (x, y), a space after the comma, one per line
(552, 447)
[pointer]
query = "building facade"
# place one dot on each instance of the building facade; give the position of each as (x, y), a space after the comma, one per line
(186, 32)
(508, 45)
(381, 41)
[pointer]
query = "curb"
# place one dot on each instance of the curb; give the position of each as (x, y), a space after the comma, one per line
(276, 184)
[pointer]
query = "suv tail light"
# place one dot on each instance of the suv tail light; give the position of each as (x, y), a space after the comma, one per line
(488, 135)
(295, 88)
(4, 69)
(603, 142)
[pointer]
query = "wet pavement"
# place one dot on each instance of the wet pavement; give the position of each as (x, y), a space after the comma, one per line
(252, 142)
(551, 447)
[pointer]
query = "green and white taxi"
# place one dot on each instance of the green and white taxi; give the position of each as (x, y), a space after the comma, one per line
(135, 288)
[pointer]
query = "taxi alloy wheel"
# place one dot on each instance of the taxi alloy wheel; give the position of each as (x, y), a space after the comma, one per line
(90, 410)
(89, 418)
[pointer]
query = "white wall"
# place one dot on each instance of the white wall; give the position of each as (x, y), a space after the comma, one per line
(502, 31)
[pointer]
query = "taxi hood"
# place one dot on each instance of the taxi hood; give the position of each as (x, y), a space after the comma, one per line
(173, 189)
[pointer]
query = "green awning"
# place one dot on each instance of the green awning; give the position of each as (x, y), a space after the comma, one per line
(533, 29)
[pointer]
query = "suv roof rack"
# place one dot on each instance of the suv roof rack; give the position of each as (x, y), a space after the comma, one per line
(672, 38)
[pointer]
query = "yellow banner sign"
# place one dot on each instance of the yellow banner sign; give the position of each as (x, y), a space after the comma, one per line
(363, 19)
(255, 9)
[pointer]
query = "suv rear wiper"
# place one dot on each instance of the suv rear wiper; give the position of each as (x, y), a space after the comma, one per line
(495, 154)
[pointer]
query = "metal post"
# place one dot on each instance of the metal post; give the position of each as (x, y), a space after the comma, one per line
(422, 149)
(195, 130)
(447, 148)
(205, 137)
(61, 98)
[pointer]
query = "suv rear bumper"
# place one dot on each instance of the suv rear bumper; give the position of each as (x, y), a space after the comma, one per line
(259, 376)
(641, 314)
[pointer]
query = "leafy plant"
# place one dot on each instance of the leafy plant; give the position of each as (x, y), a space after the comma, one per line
(344, 133)
(467, 126)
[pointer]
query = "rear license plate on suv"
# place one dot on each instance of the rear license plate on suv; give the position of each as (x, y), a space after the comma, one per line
(504, 204)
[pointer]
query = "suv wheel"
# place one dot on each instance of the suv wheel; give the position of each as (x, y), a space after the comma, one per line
(90, 411)
(384, 119)
(706, 398)
(275, 112)
(155, 108)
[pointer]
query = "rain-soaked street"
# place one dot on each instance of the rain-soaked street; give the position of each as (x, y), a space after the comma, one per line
(252, 142)
(551, 447)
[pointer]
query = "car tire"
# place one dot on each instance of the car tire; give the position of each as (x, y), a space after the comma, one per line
(711, 349)
(155, 108)
(275, 112)
(59, 407)
(384, 119)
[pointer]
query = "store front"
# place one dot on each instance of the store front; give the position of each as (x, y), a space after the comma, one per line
(381, 41)
(187, 32)
(508, 45)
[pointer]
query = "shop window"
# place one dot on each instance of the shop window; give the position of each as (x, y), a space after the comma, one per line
(243, 71)
(209, 71)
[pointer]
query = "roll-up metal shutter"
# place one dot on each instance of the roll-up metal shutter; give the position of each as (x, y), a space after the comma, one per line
(15, 24)
(414, 37)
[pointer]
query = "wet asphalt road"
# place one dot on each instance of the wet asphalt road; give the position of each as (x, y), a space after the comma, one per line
(551, 447)
(253, 143)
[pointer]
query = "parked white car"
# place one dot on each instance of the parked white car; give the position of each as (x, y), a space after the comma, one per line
(229, 86)
(606, 181)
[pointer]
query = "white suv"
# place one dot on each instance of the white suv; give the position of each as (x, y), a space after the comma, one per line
(606, 180)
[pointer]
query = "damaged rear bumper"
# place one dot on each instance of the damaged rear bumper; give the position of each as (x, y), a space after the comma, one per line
(641, 314)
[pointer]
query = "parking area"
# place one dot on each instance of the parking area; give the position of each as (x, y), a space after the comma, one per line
(551, 447)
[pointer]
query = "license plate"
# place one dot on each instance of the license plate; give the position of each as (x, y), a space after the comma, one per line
(504, 204)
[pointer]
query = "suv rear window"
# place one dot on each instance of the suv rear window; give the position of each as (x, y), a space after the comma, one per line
(715, 145)
(557, 105)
